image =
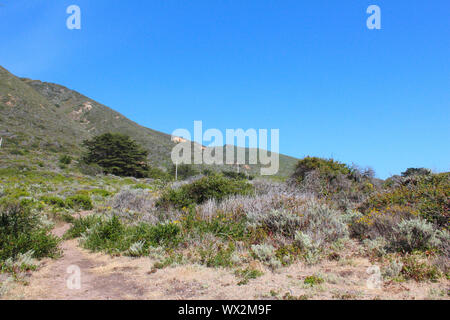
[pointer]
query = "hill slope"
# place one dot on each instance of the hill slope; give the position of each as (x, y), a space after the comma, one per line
(43, 116)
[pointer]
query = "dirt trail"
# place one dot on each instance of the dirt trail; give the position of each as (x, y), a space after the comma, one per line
(50, 281)
(105, 277)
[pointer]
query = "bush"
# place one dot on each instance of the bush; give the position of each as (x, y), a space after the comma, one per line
(326, 167)
(184, 171)
(266, 254)
(54, 201)
(114, 236)
(22, 231)
(386, 233)
(81, 225)
(65, 159)
(428, 195)
(338, 183)
(217, 255)
(211, 187)
(378, 223)
(156, 173)
(246, 275)
(416, 172)
(281, 223)
(323, 224)
(91, 169)
(415, 234)
(222, 225)
(79, 201)
(416, 267)
(313, 280)
(237, 175)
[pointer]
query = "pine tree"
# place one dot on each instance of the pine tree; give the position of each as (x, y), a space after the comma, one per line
(117, 154)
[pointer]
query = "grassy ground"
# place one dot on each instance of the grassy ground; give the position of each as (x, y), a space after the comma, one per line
(263, 240)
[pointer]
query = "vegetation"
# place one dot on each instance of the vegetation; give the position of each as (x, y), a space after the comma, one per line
(341, 185)
(23, 232)
(212, 216)
(117, 154)
(328, 168)
(427, 196)
(215, 186)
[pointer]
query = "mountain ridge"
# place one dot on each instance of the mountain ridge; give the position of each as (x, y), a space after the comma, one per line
(42, 115)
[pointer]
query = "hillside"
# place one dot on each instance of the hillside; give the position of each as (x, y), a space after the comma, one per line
(37, 117)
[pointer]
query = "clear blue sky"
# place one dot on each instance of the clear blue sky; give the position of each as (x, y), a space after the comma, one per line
(378, 98)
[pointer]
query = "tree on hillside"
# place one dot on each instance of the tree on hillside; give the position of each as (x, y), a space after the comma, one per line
(117, 154)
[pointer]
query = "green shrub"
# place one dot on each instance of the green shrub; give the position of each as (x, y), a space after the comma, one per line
(211, 187)
(216, 256)
(345, 187)
(237, 175)
(114, 236)
(184, 171)
(81, 225)
(415, 172)
(247, 274)
(223, 226)
(416, 267)
(156, 173)
(65, 159)
(413, 235)
(89, 169)
(79, 201)
(21, 231)
(266, 254)
(313, 280)
(54, 201)
(100, 192)
(427, 195)
(326, 167)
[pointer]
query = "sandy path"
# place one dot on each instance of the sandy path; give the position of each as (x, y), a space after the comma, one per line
(50, 281)
(105, 277)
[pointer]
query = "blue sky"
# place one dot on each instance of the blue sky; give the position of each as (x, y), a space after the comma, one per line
(312, 69)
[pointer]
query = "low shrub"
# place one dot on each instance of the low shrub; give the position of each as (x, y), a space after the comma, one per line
(266, 253)
(277, 222)
(417, 267)
(399, 232)
(79, 201)
(224, 226)
(89, 169)
(21, 231)
(81, 225)
(111, 235)
(427, 195)
(336, 182)
(416, 234)
(156, 173)
(246, 275)
(217, 255)
(65, 159)
(237, 175)
(326, 167)
(54, 201)
(184, 171)
(210, 187)
(313, 280)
